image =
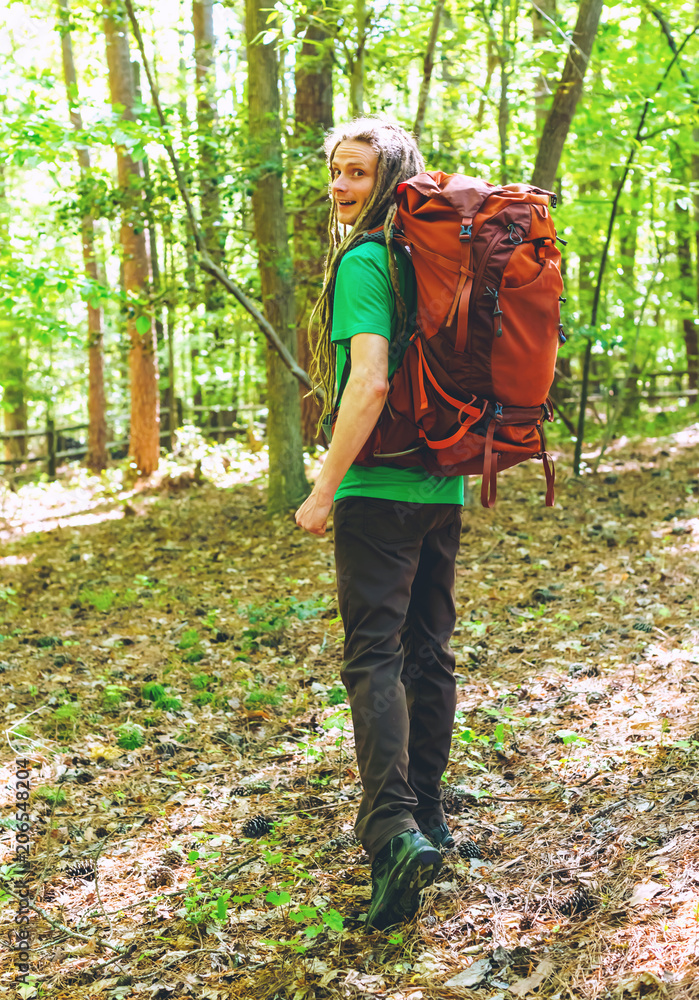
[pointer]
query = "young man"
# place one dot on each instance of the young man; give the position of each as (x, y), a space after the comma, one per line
(396, 530)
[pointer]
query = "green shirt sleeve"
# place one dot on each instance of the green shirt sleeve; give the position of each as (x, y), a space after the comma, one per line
(364, 299)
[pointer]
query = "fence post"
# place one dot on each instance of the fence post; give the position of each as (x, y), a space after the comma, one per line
(51, 447)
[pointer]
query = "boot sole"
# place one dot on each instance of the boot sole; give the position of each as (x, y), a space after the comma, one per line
(401, 898)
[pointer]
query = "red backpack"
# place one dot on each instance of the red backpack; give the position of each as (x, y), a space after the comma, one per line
(471, 393)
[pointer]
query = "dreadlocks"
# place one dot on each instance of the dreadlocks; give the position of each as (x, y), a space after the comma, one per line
(398, 159)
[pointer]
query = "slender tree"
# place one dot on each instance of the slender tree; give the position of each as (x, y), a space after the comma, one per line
(97, 431)
(313, 113)
(567, 95)
(356, 57)
(13, 373)
(287, 482)
(209, 167)
(427, 67)
(543, 14)
(144, 443)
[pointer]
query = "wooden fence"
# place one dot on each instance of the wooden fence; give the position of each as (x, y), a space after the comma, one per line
(222, 423)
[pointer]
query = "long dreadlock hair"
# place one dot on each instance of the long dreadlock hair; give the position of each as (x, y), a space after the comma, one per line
(398, 159)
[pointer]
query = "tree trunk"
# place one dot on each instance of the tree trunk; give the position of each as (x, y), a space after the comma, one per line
(543, 12)
(208, 153)
(313, 113)
(287, 482)
(356, 60)
(144, 445)
(695, 183)
(12, 357)
(428, 65)
(683, 245)
(96, 459)
(504, 102)
(567, 95)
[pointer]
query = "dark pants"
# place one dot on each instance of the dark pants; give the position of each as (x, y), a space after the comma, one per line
(395, 578)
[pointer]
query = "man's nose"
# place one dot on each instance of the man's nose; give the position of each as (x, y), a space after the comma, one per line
(339, 184)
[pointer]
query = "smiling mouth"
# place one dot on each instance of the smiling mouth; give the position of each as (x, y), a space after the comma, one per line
(345, 204)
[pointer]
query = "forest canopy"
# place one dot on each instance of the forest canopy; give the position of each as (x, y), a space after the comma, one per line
(129, 313)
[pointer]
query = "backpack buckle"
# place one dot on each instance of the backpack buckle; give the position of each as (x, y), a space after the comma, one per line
(465, 232)
(498, 409)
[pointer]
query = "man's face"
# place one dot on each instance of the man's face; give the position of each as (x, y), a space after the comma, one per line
(353, 173)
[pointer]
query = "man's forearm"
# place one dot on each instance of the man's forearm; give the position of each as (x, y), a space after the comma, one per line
(360, 409)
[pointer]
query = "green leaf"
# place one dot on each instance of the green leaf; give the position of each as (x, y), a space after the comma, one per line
(278, 898)
(334, 920)
(222, 907)
(143, 325)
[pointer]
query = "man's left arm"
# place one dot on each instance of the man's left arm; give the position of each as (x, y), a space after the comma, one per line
(362, 402)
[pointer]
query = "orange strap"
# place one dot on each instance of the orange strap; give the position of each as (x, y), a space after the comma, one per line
(458, 404)
(446, 262)
(465, 297)
(489, 485)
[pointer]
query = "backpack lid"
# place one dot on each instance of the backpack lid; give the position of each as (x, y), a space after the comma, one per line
(464, 194)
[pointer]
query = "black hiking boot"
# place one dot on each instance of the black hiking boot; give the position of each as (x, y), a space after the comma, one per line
(401, 869)
(441, 837)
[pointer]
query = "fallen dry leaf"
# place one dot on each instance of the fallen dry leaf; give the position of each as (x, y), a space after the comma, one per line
(472, 976)
(643, 892)
(524, 986)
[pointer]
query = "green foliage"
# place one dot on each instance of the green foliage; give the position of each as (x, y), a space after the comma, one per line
(113, 697)
(56, 796)
(160, 696)
(259, 696)
(105, 600)
(130, 736)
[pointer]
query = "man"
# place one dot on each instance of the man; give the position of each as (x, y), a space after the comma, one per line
(396, 530)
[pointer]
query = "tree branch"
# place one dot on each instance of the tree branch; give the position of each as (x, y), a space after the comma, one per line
(203, 258)
(427, 71)
(57, 925)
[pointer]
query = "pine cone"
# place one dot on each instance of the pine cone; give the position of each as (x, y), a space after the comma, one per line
(305, 802)
(643, 626)
(577, 902)
(526, 921)
(343, 842)
(252, 788)
(453, 800)
(82, 869)
(172, 858)
(256, 826)
(160, 876)
(469, 849)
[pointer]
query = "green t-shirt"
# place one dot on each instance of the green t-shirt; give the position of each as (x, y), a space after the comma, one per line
(364, 303)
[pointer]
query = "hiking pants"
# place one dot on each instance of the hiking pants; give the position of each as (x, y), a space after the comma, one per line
(395, 579)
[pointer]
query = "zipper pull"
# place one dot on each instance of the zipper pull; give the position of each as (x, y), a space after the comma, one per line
(561, 336)
(497, 311)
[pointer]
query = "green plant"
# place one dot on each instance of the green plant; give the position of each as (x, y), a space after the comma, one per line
(202, 681)
(337, 695)
(152, 691)
(130, 736)
(263, 696)
(112, 697)
(56, 796)
(189, 639)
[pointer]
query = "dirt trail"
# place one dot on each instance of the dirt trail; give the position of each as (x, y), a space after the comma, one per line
(172, 659)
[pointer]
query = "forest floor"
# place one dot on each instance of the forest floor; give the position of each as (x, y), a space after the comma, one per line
(170, 660)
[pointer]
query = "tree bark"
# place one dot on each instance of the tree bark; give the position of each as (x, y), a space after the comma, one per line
(428, 66)
(504, 101)
(313, 113)
(144, 444)
(356, 60)
(567, 95)
(287, 482)
(695, 182)
(96, 458)
(14, 369)
(683, 246)
(543, 12)
(209, 166)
